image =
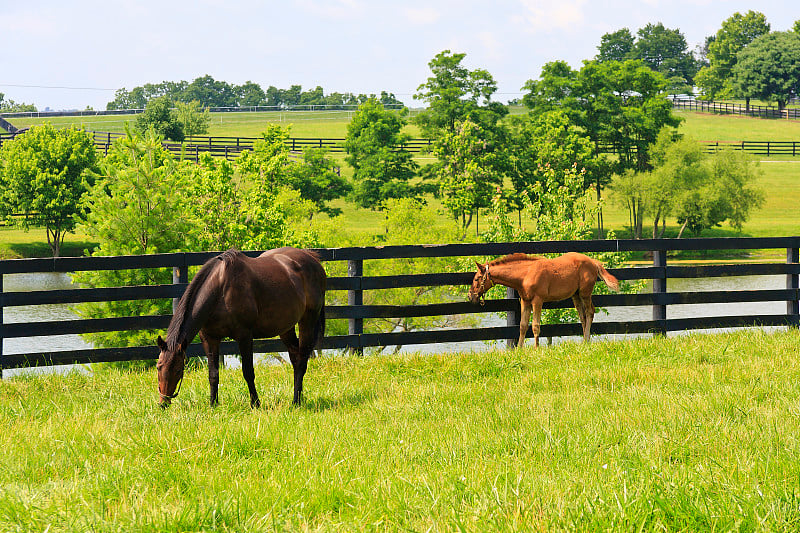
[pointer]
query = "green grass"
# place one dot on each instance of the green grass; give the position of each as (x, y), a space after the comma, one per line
(689, 433)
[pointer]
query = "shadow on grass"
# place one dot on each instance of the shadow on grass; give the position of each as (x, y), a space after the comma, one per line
(26, 250)
(321, 404)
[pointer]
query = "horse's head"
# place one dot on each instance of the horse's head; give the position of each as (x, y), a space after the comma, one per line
(481, 283)
(171, 362)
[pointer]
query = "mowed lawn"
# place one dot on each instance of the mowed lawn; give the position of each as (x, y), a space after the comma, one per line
(689, 433)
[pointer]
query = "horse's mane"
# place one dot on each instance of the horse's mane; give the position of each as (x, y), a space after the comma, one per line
(187, 300)
(515, 257)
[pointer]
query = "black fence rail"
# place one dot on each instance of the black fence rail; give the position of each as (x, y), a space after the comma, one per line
(654, 304)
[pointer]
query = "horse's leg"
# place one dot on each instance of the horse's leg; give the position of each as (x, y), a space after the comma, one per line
(211, 346)
(309, 331)
(589, 310)
(537, 319)
(246, 350)
(581, 309)
(524, 321)
(299, 363)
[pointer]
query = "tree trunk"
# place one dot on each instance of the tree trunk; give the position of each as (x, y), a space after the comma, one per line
(683, 227)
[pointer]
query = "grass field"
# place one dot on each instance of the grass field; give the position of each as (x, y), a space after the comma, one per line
(696, 433)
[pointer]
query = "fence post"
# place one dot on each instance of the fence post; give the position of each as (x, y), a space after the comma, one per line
(512, 318)
(792, 282)
(355, 297)
(659, 288)
(1, 326)
(180, 274)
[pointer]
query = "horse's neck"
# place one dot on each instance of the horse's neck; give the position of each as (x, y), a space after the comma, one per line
(197, 313)
(509, 274)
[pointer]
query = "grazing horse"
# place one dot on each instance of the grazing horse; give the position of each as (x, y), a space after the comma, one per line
(538, 280)
(244, 298)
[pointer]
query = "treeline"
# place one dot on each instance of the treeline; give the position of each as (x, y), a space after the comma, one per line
(209, 92)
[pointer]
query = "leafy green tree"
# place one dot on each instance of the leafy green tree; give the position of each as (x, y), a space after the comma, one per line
(699, 190)
(271, 167)
(665, 50)
(137, 207)
(44, 174)
(382, 167)
(454, 94)
(796, 27)
(736, 33)
(549, 140)
(193, 119)
(621, 105)
(468, 173)
(250, 94)
(616, 46)
(10, 106)
(769, 68)
(317, 180)
(160, 117)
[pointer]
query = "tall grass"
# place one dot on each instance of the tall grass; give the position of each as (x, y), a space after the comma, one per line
(687, 433)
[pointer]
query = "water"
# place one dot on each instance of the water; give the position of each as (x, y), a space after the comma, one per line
(40, 281)
(58, 281)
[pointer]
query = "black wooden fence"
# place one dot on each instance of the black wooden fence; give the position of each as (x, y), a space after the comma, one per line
(654, 304)
(727, 108)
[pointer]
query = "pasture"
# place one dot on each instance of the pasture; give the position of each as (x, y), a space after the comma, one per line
(696, 432)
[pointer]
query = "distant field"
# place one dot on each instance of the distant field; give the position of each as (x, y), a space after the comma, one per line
(781, 179)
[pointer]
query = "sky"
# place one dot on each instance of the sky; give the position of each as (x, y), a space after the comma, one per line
(72, 54)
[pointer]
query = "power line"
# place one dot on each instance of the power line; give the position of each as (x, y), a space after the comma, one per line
(55, 87)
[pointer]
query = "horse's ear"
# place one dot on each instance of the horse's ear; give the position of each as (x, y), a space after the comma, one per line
(481, 268)
(161, 344)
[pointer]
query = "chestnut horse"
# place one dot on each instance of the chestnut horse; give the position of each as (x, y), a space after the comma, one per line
(538, 280)
(236, 296)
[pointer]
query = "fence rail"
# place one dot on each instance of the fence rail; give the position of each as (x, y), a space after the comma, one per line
(356, 283)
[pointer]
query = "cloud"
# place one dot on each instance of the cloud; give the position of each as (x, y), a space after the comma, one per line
(549, 17)
(422, 16)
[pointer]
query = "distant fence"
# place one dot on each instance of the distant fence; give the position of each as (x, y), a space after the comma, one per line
(654, 304)
(725, 108)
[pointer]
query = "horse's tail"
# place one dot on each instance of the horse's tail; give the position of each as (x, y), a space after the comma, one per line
(319, 328)
(611, 281)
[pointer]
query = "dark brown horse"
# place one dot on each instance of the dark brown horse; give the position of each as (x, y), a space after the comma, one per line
(538, 280)
(244, 298)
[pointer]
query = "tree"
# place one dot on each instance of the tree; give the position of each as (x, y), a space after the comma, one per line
(317, 180)
(44, 174)
(193, 119)
(769, 68)
(550, 141)
(622, 105)
(736, 33)
(699, 190)
(665, 51)
(137, 207)
(160, 117)
(468, 173)
(455, 94)
(382, 167)
(10, 106)
(616, 46)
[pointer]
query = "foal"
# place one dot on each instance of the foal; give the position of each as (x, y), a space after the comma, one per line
(538, 280)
